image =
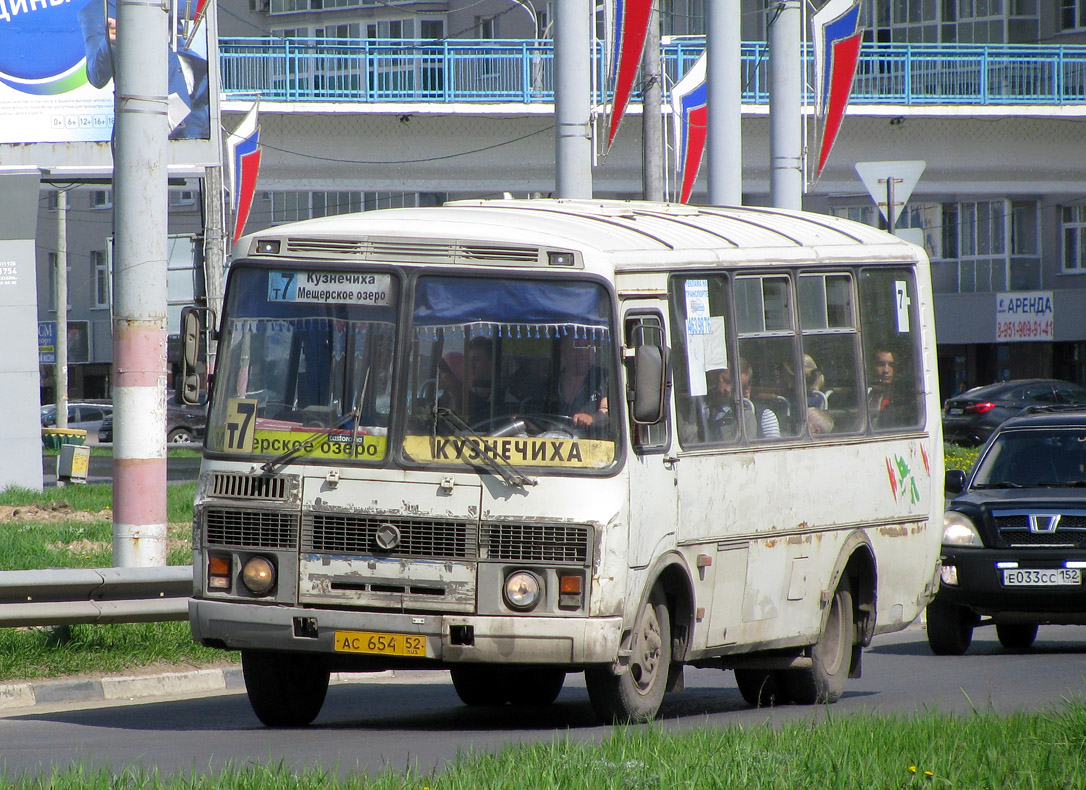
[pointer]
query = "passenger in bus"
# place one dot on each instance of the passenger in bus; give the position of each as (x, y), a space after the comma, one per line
(450, 381)
(881, 393)
(819, 421)
(580, 391)
(758, 420)
(480, 379)
(816, 384)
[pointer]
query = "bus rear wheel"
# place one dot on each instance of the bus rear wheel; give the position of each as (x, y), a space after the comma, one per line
(534, 688)
(285, 689)
(479, 686)
(824, 681)
(635, 695)
(762, 688)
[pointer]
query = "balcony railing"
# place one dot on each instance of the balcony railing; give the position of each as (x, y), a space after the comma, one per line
(489, 71)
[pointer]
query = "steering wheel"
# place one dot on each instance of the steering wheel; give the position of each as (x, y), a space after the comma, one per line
(554, 426)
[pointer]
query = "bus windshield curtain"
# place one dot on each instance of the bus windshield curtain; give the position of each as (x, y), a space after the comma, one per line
(523, 303)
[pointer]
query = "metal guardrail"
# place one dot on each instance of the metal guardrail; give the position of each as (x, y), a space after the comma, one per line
(71, 596)
(522, 71)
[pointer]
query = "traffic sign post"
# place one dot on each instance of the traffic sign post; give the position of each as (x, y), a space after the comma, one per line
(892, 182)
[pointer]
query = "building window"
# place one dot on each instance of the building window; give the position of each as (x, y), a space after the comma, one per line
(101, 198)
(982, 247)
(100, 277)
(182, 197)
(1072, 14)
(1074, 238)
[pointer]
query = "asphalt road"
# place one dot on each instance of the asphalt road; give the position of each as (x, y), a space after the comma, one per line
(418, 720)
(100, 469)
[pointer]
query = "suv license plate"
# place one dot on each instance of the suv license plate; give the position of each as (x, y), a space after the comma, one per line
(381, 644)
(1056, 577)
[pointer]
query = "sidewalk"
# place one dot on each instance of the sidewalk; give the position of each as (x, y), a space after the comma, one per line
(30, 694)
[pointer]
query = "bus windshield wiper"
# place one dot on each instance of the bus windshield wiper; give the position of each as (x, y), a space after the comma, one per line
(505, 470)
(286, 455)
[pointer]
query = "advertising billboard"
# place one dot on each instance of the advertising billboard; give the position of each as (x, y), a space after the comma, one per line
(57, 86)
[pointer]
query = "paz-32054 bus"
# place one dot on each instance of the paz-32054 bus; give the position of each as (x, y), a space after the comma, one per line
(518, 439)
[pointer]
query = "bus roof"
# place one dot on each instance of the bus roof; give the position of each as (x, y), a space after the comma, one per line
(631, 235)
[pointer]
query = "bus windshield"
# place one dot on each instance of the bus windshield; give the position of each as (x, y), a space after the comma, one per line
(524, 366)
(305, 363)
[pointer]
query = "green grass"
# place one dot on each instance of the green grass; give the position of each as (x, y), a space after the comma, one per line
(955, 457)
(1023, 750)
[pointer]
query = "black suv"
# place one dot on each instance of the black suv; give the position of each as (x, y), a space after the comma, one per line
(1014, 536)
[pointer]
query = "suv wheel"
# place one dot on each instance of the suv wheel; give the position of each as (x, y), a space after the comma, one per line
(950, 628)
(1016, 636)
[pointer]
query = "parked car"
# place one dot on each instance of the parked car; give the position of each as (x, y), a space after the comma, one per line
(1014, 535)
(184, 424)
(970, 418)
(83, 415)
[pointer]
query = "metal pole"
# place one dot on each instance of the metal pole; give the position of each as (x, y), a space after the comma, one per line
(891, 220)
(139, 285)
(652, 117)
(724, 87)
(60, 374)
(572, 99)
(785, 108)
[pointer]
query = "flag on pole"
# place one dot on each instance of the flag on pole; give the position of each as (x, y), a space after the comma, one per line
(690, 119)
(631, 24)
(243, 163)
(197, 18)
(836, 51)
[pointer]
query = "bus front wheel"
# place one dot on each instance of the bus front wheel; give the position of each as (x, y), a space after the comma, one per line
(824, 681)
(285, 689)
(635, 695)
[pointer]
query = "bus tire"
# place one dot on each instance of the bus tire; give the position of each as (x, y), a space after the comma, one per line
(284, 689)
(635, 695)
(480, 686)
(1016, 636)
(824, 681)
(762, 688)
(534, 688)
(949, 627)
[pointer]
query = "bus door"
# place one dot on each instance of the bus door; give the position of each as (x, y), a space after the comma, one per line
(650, 466)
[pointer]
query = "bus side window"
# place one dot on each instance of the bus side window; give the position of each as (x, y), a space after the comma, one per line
(647, 329)
(707, 409)
(891, 331)
(832, 370)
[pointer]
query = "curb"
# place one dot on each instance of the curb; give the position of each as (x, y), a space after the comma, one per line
(14, 696)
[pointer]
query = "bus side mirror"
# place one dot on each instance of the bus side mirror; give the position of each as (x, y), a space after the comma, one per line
(649, 385)
(192, 345)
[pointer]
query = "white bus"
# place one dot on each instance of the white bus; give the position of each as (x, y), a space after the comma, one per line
(518, 439)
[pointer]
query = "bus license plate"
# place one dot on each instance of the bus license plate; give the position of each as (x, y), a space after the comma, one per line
(1056, 577)
(377, 643)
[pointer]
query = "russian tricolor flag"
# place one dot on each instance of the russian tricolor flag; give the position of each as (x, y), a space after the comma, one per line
(690, 120)
(836, 50)
(630, 27)
(243, 163)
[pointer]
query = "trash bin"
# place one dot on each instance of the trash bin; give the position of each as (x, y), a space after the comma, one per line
(53, 438)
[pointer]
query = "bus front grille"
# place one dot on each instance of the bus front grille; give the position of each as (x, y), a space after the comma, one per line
(264, 529)
(562, 543)
(351, 533)
(230, 485)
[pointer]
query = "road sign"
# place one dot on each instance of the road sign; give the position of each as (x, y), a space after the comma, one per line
(891, 184)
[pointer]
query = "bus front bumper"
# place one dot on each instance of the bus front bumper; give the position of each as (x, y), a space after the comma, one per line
(450, 639)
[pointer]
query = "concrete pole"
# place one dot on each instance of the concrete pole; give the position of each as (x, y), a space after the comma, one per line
(785, 108)
(139, 285)
(652, 117)
(214, 239)
(724, 94)
(60, 373)
(572, 98)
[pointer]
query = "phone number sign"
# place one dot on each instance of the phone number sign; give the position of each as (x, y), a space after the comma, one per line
(1024, 315)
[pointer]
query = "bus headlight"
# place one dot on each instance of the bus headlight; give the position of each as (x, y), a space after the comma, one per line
(258, 574)
(959, 530)
(523, 590)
